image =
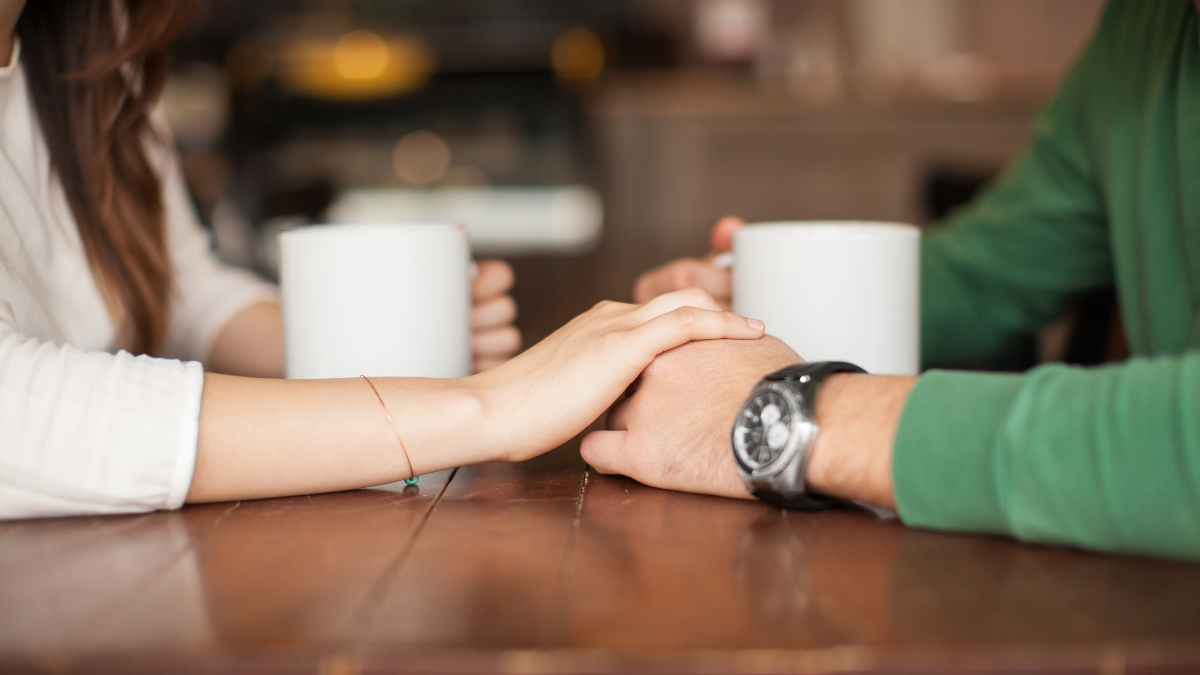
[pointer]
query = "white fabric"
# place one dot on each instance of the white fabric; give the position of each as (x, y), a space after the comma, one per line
(84, 430)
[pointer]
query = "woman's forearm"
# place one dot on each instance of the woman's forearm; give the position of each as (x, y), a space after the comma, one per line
(269, 438)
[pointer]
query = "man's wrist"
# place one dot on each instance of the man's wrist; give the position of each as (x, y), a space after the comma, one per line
(857, 417)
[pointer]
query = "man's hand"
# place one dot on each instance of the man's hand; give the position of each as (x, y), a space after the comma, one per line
(673, 432)
(494, 339)
(689, 272)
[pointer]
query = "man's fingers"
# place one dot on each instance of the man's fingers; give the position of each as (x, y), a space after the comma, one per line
(652, 284)
(483, 363)
(605, 451)
(493, 313)
(496, 342)
(688, 272)
(722, 233)
(681, 274)
(495, 278)
(618, 416)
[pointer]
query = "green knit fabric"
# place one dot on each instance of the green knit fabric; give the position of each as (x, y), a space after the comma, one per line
(1109, 192)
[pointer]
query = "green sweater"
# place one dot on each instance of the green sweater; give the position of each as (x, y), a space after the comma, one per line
(1109, 192)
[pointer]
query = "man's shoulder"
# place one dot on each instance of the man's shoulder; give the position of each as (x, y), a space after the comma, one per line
(1141, 33)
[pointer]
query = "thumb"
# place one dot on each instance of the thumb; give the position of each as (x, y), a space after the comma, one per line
(605, 452)
(722, 233)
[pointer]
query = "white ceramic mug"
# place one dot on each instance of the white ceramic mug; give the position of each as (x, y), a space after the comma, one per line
(376, 300)
(834, 291)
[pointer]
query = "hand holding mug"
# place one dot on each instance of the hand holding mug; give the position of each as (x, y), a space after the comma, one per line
(831, 290)
(494, 338)
(689, 272)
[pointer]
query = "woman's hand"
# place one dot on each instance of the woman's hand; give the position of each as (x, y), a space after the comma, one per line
(494, 339)
(688, 272)
(546, 395)
(268, 438)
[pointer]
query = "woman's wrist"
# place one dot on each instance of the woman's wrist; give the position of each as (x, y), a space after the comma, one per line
(443, 422)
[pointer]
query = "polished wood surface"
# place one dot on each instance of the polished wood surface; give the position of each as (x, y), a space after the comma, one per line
(545, 566)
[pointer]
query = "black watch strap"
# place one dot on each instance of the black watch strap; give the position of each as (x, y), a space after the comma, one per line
(809, 377)
(804, 501)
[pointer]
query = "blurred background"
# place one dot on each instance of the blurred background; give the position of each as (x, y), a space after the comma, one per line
(587, 141)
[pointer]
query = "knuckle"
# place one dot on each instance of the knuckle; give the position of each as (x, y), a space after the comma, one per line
(698, 295)
(686, 317)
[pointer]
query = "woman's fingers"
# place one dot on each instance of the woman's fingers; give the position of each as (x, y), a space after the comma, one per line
(493, 339)
(685, 324)
(495, 278)
(688, 297)
(493, 313)
(502, 342)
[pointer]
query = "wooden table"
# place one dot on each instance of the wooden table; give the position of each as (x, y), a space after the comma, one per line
(547, 567)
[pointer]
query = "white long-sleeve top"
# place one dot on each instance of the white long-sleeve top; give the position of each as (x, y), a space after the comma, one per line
(84, 430)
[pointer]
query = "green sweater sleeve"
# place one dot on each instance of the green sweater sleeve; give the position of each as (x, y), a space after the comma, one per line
(1008, 263)
(1105, 458)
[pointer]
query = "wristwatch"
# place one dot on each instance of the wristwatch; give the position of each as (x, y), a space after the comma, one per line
(774, 433)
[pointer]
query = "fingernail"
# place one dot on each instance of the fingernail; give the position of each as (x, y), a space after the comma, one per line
(755, 324)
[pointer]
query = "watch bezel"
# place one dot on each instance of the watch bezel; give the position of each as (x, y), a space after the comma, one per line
(800, 430)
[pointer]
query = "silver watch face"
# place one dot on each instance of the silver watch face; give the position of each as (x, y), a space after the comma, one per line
(763, 429)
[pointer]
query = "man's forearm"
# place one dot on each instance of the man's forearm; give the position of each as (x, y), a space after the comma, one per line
(858, 416)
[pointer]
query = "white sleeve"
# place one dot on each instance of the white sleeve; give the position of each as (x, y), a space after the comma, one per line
(208, 293)
(90, 432)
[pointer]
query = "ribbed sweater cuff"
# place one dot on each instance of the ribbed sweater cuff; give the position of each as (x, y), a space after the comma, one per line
(947, 467)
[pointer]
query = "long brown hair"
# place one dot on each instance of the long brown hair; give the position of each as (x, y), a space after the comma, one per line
(95, 68)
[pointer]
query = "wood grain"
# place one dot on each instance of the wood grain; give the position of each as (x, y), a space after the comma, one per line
(488, 571)
(545, 566)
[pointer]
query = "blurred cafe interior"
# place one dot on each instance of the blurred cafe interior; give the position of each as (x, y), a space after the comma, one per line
(588, 141)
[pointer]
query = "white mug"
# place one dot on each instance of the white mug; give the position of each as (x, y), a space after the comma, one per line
(834, 291)
(376, 300)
